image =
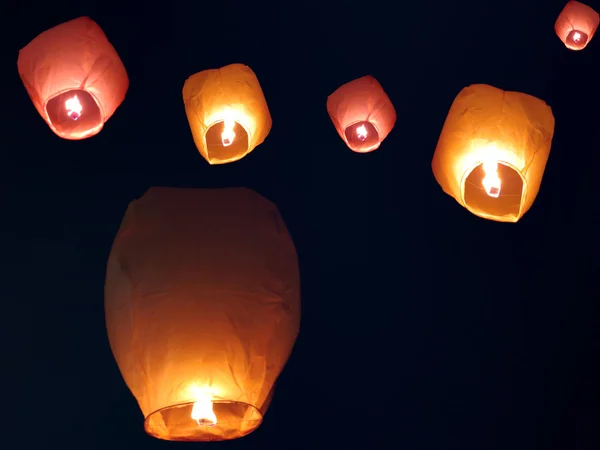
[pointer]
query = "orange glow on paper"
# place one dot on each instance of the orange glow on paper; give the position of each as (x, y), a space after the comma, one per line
(227, 112)
(493, 150)
(202, 305)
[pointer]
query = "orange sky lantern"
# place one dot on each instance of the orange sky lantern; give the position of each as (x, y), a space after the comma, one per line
(493, 150)
(227, 112)
(74, 77)
(576, 25)
(362, 114)
(202, 303)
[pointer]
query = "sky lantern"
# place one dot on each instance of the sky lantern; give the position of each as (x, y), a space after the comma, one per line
(227, 112)
(362, 114)
(493, 150)
(576, 25)
(74, 77)
(202, 304)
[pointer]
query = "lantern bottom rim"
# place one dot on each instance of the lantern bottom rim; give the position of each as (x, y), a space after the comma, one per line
(84, 122)
(175, 423)
(505, 207)
(219, 153)
(364, 141)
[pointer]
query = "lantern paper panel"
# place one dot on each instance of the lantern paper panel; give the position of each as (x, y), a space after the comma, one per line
(74, 77)
(576, 25)
(202, 303)
(227, 112)
(493, 150)
(362, 114)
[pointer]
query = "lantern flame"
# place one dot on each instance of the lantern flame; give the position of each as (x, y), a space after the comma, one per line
(577, 36)
(73, 107)
(203, 413)
(228, 135)
(491, 181)
(361, 132)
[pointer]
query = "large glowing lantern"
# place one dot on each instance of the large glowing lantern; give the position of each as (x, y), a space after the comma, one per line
(362, 114)
(74, 77)
(576, 25)
(493, 150)
(227, 112)
(202, 302)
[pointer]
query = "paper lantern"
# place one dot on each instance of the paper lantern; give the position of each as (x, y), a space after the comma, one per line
(362, 114)
(576, 25)
(74, 77)
(202, 303)
(493, 150)
(227, 112)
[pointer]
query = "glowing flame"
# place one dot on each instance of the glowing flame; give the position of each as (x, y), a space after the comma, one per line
(361, 133)
(576, 36)
(73, 107)
(491, 181)
(228, 135)
(202, 411)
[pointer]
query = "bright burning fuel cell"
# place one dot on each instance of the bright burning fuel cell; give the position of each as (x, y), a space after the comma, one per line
(203, 413)
(361, 133)
(228, 135)
(491, 181)
(73, 107)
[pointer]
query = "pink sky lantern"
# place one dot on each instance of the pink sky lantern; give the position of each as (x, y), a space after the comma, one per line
(576, 25)
(362, 114)
(74, 77)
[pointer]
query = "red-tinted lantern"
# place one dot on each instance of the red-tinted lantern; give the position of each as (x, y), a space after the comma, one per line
(362, 114)
(576, 25)
(74, 77)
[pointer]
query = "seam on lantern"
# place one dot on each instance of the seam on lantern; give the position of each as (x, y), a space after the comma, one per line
(537, 148)
(501, 108)
(207, 127)
(146, 380)
(99, 76)
(245, 293)
(195, 112)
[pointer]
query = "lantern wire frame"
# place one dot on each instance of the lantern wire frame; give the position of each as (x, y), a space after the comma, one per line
(478, 202)
(215, 149)
(174, 423)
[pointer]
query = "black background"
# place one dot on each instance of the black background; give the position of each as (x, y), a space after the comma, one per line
(424, 327)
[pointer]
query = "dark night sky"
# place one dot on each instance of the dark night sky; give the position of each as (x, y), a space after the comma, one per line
(411, 337)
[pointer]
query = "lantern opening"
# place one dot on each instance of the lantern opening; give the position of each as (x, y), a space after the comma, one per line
(226, 140)
(74, 113)
(576, 40)
(189, 422)
(362, 137)
(494, 190)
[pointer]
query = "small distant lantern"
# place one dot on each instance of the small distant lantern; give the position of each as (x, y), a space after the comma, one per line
(202, 304)
(362, 114)
(74, 77)
(493, 150)
(227, 112)
(576, 25)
